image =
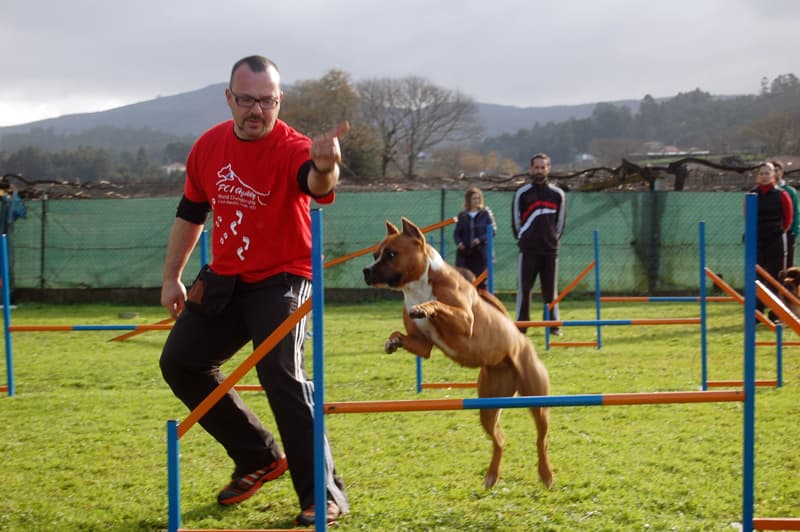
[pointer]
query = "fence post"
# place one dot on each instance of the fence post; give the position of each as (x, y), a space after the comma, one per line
(43, 241)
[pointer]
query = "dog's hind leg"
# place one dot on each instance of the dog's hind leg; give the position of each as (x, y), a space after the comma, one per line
(495, 381)
(534, 380)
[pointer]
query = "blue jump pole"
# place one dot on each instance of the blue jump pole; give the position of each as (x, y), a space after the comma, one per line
(489, 260)
(173, 477)
(7, 315)
(318, 310)
(597, 287)
(779, 355)
(750, 237)
(204, 248)
(703, 310)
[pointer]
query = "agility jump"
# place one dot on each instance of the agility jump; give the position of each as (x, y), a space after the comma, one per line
(747, 396)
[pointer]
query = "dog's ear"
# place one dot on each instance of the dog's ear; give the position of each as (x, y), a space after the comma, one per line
(391, 229)
(412, 230)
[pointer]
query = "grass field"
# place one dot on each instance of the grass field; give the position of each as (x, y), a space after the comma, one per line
(83, 441)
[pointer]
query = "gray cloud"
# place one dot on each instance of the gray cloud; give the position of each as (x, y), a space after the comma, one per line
(81, 55)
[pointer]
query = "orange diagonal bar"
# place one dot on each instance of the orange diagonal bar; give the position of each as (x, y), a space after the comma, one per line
(778, 286)
(482, 277)
(771, 300)
(223, 388)
(725, 287)
(572, 285)
(137, 332)
(370, 249)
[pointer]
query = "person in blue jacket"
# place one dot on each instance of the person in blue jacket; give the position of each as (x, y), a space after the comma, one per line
(472, 226)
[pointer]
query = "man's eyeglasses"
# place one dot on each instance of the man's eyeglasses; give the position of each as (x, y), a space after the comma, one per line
(246, 102)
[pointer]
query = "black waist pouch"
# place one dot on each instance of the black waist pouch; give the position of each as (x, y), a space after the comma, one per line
(210, 293)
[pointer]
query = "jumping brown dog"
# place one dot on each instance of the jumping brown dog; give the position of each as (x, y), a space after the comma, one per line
(442, 308)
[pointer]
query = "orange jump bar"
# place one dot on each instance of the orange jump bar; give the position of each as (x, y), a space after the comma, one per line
(642, 321)
(776, 523)
(370, 249)
(735, 383)
(445, 385)
(543, 401)
(725, 287)
(44, 328)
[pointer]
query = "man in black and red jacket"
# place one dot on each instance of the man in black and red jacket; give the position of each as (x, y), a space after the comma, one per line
(538, 216)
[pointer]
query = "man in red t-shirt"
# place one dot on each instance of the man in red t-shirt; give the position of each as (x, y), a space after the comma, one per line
(257, 176)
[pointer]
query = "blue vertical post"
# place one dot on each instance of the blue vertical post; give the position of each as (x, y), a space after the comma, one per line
(442, 217)
(489, 259)
(778, 355)
(597, 287)
(419, 374)
(173, 477)
(703, 309)
(7, 314)
(317, 313)
(204, 248)
(547, 327)
(751, 214)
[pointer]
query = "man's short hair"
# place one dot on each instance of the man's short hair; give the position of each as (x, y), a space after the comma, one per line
(777, 164)
(543, 156)
(256, 63)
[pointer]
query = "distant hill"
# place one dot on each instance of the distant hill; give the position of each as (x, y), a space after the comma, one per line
(191, 113)
(188, 113)
(499, 119)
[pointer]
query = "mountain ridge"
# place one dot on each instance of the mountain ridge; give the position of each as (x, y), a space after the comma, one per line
(191, 113)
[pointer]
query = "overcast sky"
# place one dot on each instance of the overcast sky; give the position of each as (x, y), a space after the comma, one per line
(64, 57)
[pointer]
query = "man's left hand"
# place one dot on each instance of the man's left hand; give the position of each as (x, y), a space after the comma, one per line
(325, 151)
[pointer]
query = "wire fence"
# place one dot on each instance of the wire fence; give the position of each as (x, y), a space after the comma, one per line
(648, 241)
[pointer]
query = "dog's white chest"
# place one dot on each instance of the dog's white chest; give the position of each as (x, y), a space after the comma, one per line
(421, 292)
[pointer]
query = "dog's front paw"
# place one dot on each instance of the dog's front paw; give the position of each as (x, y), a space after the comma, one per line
(420, 311)
(392, 344)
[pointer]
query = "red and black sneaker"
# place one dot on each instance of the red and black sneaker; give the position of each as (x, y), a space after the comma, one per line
(308, 516)
(242, 488)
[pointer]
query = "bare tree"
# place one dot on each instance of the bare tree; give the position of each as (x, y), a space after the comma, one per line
(413, 116)
(380, 107)
(316, 105)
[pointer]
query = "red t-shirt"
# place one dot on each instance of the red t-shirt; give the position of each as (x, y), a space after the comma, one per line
(262, 224)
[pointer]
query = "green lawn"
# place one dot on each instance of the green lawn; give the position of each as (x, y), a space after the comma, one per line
(83, 442)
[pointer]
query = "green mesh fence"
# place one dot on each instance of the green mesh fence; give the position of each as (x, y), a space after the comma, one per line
(648, 241)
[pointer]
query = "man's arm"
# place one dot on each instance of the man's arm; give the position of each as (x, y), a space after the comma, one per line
(561, 222)
(325, 155)
(788, 210)
(182, 239)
